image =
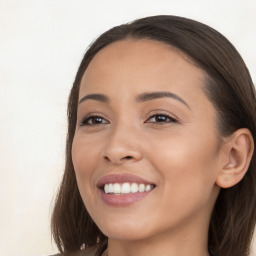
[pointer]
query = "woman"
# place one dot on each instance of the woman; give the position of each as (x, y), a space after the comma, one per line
(160, 149)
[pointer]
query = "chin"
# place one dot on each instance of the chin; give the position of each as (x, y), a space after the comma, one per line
(125, 235)
(124, 231)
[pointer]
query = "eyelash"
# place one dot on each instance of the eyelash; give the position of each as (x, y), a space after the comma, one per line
(90, 120)
(171, 119)
(87, 119)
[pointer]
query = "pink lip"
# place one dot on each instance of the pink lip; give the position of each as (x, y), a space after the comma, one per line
(122, 199)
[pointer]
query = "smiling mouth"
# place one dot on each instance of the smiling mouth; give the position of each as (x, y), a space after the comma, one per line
(122, 190)
(126, 188)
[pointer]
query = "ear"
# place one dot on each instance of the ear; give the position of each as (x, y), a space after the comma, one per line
(237, 157)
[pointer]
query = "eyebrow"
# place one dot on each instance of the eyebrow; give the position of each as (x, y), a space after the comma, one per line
(98, 97)
(156, 95)
(140, 98)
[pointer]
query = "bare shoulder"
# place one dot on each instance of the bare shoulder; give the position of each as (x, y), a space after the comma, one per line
(91, 251)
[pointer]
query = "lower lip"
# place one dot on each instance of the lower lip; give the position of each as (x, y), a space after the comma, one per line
(123, 199)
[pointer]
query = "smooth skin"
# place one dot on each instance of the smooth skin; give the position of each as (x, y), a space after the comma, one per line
(172, 142)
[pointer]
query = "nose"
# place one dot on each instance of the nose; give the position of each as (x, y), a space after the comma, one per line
(122, 146)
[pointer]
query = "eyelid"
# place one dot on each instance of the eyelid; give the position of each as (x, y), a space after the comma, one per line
(160, 112)
(171, 119)
(93, 115)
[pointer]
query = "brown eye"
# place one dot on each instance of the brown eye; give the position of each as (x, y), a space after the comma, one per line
(93, 120)
(160, 118)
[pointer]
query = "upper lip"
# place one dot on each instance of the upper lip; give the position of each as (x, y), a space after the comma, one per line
(121, 178)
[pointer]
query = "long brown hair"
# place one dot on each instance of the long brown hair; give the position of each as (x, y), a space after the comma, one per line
(229, 87)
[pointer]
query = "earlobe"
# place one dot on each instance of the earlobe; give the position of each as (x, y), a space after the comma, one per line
(239, 150)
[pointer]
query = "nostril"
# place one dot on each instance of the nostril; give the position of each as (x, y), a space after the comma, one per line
(121, 155)
(127, 157)
(119, 160)
(106, 158)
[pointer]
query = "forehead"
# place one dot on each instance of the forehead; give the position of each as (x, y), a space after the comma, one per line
(138, 65)
(139, 52)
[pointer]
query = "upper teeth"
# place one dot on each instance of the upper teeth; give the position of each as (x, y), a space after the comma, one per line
(126, 188)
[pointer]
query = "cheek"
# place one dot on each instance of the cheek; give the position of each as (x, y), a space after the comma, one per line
(85, 160)
(188, 164)
(84, 154)
(188, 172)
(84, 157)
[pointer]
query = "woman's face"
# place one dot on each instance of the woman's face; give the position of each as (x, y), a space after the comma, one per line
(143, 118)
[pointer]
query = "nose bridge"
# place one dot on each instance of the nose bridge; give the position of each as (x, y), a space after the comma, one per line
(122, 143)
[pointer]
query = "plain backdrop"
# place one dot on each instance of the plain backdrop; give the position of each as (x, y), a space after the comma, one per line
(41, 45)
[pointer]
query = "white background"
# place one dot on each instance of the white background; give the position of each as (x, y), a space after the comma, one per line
(41, 45)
